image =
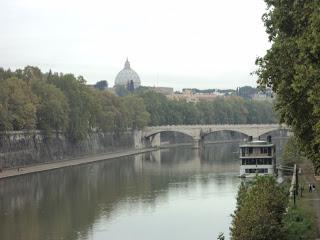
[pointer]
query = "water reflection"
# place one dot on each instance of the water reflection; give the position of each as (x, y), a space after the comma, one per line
(176, 193)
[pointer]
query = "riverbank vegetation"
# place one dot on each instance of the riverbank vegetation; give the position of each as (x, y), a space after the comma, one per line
(305, 211)
(260, 209)
(264, 212)
(30, 99)
(291, 153)
(291, 68)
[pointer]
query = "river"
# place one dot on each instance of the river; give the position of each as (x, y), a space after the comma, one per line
(178, 193)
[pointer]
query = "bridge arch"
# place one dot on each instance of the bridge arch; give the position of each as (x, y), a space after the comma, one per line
(155, 138)
(148, 135)
(281, 132)
(229, 133)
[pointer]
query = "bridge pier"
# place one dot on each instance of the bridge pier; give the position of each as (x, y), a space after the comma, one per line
(196, 143)
(155, 140)
(138, 139)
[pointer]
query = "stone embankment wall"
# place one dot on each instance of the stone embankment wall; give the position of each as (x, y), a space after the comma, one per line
(26, 148)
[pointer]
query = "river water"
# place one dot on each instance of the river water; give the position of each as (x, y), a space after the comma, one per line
(178, 193)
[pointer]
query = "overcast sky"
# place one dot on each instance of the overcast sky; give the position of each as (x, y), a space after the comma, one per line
(176, 43)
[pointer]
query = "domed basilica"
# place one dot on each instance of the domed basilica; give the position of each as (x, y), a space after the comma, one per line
(127, 77)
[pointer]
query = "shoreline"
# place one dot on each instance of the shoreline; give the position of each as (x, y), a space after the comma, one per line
(13, 172)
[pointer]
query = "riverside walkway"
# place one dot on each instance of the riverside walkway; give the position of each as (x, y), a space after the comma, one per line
(310, 201)
(13, 172)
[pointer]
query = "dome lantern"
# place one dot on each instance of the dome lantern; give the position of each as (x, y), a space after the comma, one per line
(127, 64)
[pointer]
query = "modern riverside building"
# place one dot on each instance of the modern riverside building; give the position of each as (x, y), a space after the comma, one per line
(257, 157)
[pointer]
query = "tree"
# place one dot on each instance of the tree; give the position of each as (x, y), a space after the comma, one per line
(260, 210)
(121, 91)
(157, 106)
(137, 115)
(101, 85)
(17, 105)
(111, 115)
(81, 105)
(291, 67)
(53, 108)
(291, 153)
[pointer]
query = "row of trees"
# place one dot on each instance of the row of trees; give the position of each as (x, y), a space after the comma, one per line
(30, 99)
(223, 110)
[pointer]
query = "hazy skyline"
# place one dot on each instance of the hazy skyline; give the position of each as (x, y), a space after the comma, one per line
(195, 43)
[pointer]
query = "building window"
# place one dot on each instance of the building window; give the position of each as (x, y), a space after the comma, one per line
(251, 161)
(267, 161)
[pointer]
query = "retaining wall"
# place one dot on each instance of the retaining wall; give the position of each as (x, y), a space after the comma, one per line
(22, 148)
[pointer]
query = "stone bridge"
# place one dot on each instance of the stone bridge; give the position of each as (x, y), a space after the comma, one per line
(198, 132)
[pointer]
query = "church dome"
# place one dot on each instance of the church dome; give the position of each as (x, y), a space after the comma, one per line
(126, 75)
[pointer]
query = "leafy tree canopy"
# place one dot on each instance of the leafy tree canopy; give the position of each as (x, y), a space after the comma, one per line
(292, 68)
(260, 210)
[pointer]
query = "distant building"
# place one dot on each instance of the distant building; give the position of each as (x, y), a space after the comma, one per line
(163, 90)
(267, 95)
(127, 78)
(189, 96)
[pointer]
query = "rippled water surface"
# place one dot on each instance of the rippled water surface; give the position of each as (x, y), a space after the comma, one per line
(176, 193)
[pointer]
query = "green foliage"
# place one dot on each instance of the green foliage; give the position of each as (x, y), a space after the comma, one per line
(101, 85)
(121, 91)
(107, 111)
(291, 67)
(136, 112)
(260, 210)
(30, 99)
(17, 105)
(157, 106)
(53, 108)
(297, 225)
(291, 153)
(80, 105)
(222, 110)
